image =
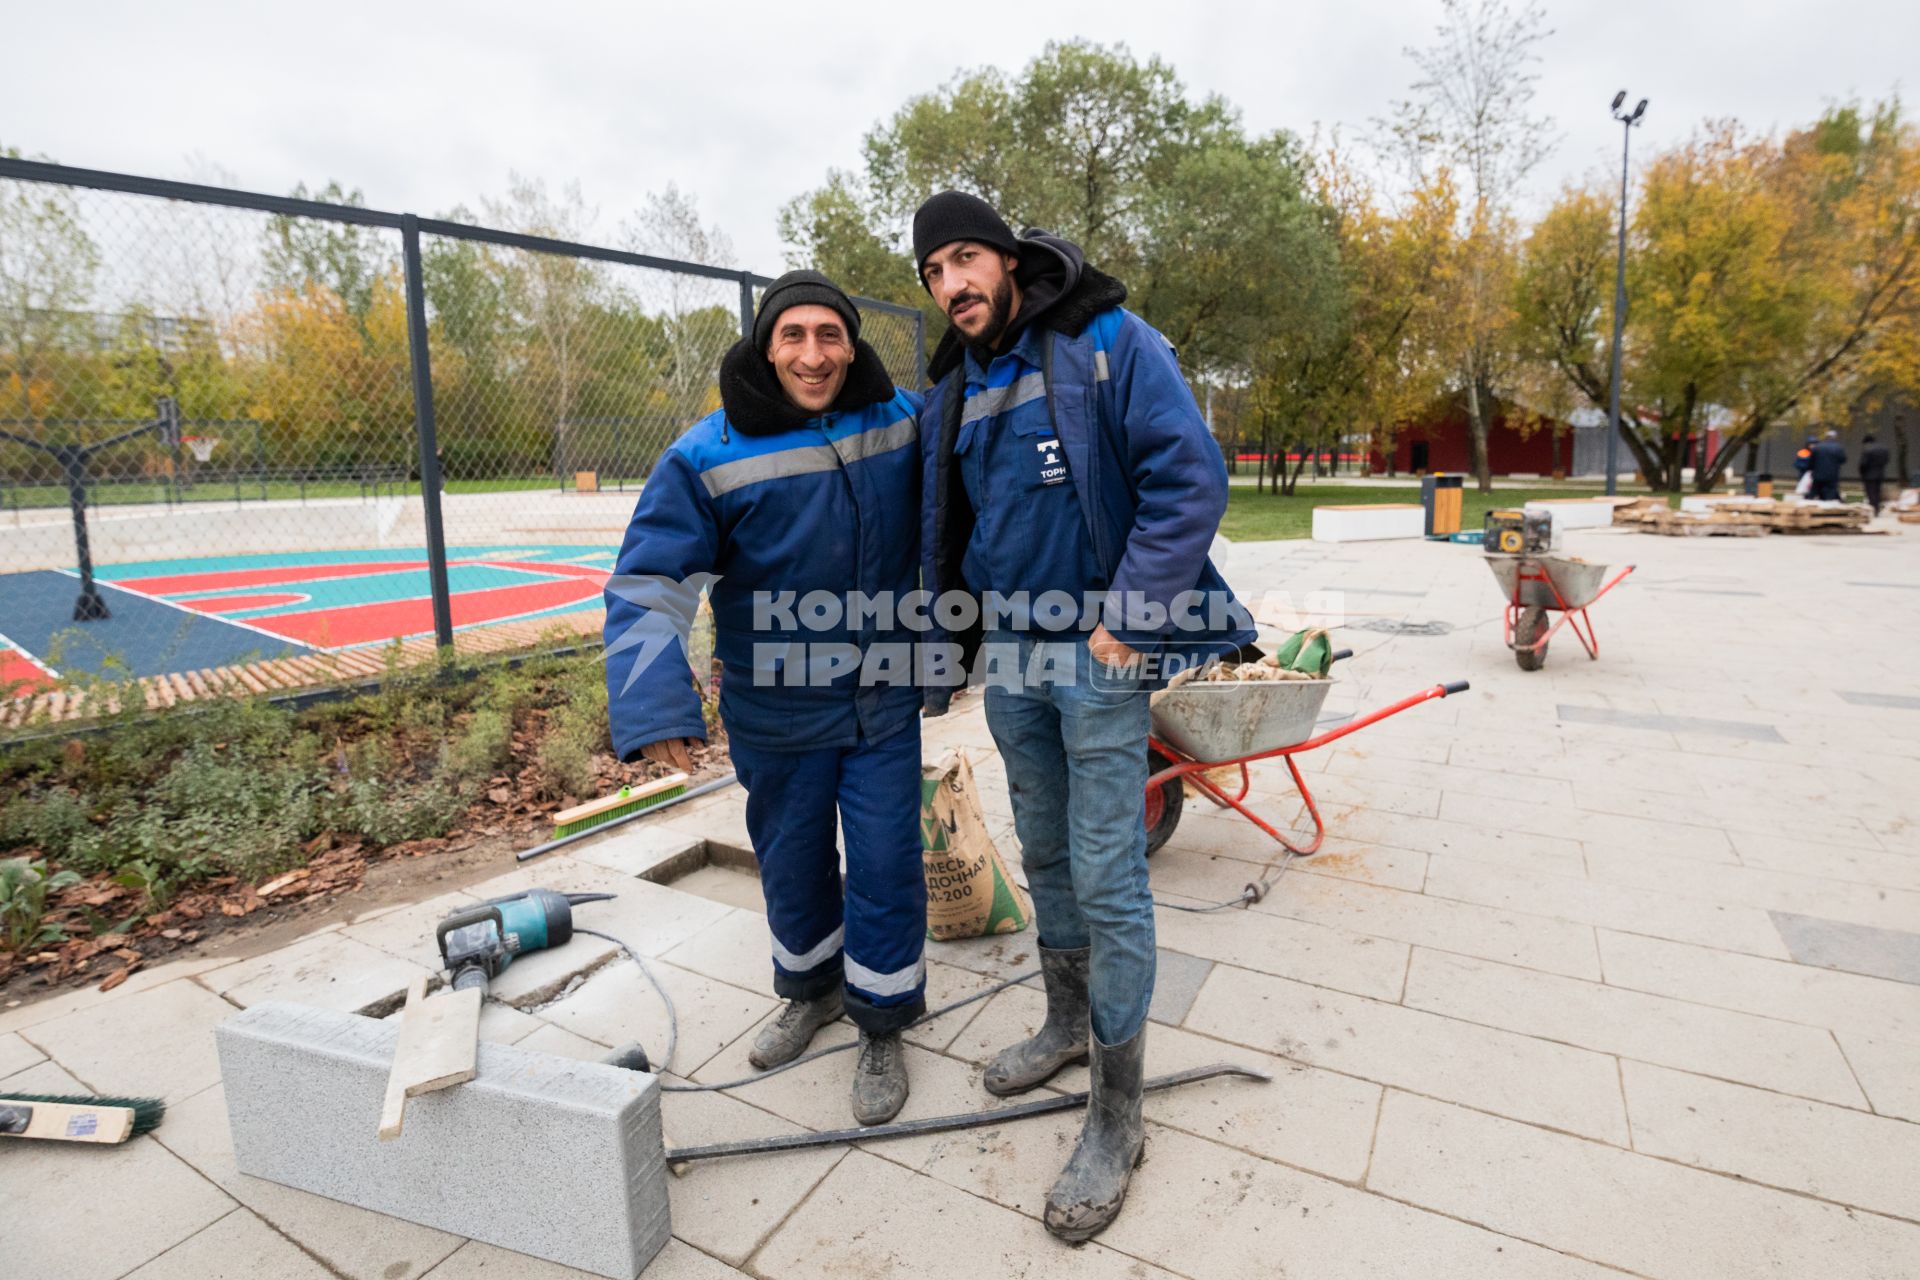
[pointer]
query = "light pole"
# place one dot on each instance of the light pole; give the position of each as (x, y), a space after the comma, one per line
(1627, 121)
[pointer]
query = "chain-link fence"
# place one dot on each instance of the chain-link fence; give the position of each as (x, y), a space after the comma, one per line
(261, 441)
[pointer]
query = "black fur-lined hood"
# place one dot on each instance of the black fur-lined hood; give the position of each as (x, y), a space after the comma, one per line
(1058, 289)
(755, 406)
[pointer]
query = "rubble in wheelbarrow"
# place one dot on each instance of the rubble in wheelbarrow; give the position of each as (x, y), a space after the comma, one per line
(1220, 672)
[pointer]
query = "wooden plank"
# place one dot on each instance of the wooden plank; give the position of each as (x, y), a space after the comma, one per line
(64, 1121)
(439, 1040)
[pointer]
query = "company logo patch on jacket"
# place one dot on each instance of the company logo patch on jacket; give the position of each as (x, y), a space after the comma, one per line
(1049, 461)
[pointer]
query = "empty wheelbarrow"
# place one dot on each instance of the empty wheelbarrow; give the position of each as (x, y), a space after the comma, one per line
(1537, 585)
(1201, 726)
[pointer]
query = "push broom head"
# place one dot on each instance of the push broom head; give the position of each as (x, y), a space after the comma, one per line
(594, 813)
(147, 1112)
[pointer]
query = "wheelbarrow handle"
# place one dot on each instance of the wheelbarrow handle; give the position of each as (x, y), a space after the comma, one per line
(1454, 686)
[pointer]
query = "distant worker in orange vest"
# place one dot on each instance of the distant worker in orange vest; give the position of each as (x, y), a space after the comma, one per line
(1803, 469)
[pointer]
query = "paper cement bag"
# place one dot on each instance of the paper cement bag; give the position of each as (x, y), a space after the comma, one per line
(969, 893)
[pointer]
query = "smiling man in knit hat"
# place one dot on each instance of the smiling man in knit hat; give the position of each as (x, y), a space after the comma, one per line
(804, 483)
(1064, 460)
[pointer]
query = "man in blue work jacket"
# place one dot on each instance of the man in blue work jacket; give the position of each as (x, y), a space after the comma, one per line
(1071, 486)
(802, 490)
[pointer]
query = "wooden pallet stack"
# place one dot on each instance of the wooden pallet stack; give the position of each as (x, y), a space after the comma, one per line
(1742, 518)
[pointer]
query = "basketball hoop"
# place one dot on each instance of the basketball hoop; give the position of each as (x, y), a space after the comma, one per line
(202, 446)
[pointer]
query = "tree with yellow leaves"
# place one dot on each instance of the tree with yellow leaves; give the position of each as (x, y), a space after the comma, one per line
(1761, 275)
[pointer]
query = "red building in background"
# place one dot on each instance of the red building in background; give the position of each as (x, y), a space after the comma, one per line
(1519, 441)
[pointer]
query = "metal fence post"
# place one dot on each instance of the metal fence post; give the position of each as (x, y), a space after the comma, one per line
(424, 432)
(920, 346)
(746, 304)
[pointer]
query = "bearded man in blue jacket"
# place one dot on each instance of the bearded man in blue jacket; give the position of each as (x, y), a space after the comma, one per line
(1070, 490)
(799, 497)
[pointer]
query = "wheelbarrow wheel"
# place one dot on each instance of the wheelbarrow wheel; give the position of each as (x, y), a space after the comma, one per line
(1527, 649)
(1164, 803)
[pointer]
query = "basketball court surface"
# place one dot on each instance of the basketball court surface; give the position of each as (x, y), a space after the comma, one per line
(171, 616)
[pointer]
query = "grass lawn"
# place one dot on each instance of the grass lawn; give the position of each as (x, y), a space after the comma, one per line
(1263, 517)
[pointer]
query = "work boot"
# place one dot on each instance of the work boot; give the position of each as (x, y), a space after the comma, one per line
(1090, 1190)
(787, 1036)
(1062, 1038)
(879, 1079)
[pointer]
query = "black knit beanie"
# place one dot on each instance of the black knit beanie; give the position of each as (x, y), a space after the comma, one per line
(799, 289)
(955, 215)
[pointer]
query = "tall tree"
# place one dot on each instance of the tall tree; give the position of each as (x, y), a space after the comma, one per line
(1215, 233)
(695, 312)
(552, 294)
(341, 257)
(47, 268)
(1764, 273)
(1473, 112)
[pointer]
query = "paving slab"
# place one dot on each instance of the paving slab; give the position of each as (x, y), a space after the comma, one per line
(1176, 981)
(1631, 910)
(917, 1226)
(618, 1004)
(78, 1211)
(329, 970)
(1566, 1087)
(1774, 988)
(1889, 1071)
(1648, 1216)
(408, 931)
(1853, 948)
(1264, 1220)
(1316, 1119)
(1761, 1136)
(1530, 941)
(16, 1054)
(1757, 887)
(1746, 730)
(727, 1208)
(112, 1047)
(238, 1247)
(643, 849)
(1731, 1045)
(477, 1261)
(1336, 958)
(21, 1013)
(349, 1241)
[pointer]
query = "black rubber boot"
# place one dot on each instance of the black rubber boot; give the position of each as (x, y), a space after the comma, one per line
(1062, 1039)
(879, 1078)
(1090, 1190)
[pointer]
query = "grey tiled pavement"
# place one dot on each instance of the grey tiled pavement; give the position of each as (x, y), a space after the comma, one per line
(1604, 969)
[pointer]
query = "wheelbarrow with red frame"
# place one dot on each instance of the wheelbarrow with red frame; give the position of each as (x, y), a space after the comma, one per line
(1538, 585)
(1206, 725)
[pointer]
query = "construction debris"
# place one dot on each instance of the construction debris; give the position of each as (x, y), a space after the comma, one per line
(1743, 517)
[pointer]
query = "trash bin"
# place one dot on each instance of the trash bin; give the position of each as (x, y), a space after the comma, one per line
(1441, 495)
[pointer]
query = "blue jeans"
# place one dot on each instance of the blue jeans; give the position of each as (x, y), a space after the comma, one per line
(1073, 734)
(868, 937)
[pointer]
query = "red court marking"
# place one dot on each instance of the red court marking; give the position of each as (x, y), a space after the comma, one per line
(15, 665)
(370, 623)
(238, 604)
(231, 579)
(553, 568)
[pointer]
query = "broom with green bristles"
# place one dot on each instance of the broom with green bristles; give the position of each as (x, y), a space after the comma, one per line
(597, 813)
(77, 1117)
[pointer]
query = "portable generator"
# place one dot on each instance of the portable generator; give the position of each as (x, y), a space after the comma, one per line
(1517, 533)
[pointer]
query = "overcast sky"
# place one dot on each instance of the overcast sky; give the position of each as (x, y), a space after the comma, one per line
(748, 104)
